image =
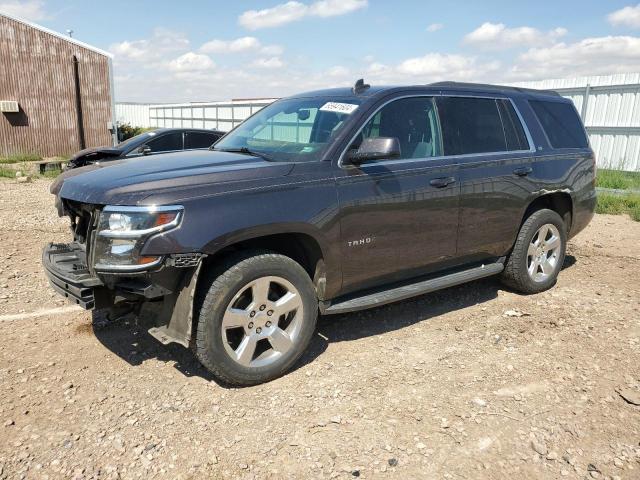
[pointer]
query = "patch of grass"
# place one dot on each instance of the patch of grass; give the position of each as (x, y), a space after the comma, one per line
(53, 173)
(619, 205)
(618, 179)
(7, 173)
(20, 158)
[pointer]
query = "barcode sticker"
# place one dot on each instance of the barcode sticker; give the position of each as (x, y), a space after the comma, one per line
(346, 108)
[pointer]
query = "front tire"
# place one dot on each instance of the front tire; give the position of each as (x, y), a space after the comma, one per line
(538, 254)
(256, 319)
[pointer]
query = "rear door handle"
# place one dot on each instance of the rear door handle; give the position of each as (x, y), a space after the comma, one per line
(442, 182)
(523, 171)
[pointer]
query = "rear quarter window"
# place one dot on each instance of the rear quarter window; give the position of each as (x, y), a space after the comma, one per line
(561, 123)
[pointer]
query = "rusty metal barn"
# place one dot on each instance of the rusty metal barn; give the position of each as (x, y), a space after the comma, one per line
(56, 94)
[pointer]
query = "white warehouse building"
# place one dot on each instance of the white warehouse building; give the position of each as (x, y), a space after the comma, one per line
(609, 106)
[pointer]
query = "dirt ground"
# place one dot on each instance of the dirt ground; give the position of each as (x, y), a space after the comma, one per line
(472, 382)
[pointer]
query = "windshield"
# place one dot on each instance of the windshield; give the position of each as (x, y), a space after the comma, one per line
(292, 130)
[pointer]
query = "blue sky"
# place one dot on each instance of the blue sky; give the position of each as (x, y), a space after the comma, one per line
(214, 50)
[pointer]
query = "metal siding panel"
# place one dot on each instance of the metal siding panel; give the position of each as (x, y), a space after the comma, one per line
(136, 114)
(37, 71)
(614, 102)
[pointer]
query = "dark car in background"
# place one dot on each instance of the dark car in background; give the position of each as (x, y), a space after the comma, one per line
(161, 140)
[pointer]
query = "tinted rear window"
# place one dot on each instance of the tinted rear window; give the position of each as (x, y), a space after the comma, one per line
(470, 125)
(199, 140)
(561, 123)
(513, 131)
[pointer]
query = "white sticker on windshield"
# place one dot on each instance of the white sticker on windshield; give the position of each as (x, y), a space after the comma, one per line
(346, 108)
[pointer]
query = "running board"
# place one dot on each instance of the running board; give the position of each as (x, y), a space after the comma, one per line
(407, 291)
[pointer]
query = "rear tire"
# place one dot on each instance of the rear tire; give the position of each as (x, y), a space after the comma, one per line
(538, 254)
(255, 319)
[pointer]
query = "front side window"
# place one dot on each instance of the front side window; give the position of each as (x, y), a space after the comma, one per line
(296, 129)
(166, 143)
(561, 123)
(470, 125)
(413, 121)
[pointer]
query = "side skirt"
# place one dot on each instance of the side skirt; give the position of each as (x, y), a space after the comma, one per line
(403, 292)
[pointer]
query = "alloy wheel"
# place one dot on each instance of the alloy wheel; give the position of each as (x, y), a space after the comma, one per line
(543, 253)
(262, 322)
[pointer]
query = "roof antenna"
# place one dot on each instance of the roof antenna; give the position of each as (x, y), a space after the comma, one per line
(360, 86)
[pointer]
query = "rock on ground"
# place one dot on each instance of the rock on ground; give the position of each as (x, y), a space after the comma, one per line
(442, 386)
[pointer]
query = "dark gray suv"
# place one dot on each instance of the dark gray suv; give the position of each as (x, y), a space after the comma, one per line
(328, 202)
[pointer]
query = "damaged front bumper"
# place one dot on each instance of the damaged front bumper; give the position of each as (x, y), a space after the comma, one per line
(66, 267)
(171, 287)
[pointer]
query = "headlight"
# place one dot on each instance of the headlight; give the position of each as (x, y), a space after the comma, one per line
(122, 232)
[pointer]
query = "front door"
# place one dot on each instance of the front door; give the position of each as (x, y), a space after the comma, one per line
(399, 217)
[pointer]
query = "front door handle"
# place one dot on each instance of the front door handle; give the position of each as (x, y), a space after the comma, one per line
(442, 182)
(523, 171)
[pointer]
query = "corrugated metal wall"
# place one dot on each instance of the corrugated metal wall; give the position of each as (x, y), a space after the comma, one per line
(214, 115)
(135, 114)
(36, 70)
(610, 108)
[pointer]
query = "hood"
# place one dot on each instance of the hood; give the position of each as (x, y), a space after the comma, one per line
(107, 151)
(56, 185)
(178, 174)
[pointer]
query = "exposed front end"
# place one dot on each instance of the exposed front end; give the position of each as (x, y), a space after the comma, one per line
(106, 265)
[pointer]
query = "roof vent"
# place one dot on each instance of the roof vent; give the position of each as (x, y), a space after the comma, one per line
(360, 86)
(9, 106)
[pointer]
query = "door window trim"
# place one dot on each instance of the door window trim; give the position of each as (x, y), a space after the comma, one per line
(531, 149)
(163, 151)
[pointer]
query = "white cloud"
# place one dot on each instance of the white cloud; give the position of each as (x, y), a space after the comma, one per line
(241, 45)
(32, 10)
(437, 66)
(338, 71)
(166, 68)
(434, 27)
(191, 62)
(273, 17)
(432, 67)
(130, 50)
(333, 8)
(293, 11)
(273, 62)
(271, 50)
(625, 17)
(231, 46)
(162, 43)
(497, 36)
(591, 56)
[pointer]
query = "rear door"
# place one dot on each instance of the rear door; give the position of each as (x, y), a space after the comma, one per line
(169, 142)
(399, 217)
(199, 140)
(495, 155)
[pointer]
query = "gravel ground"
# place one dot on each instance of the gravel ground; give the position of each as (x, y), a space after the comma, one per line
(471, 382)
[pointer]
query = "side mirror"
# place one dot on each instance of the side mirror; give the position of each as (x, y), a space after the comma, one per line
(375, 149)
(144, 149)
(304, 114)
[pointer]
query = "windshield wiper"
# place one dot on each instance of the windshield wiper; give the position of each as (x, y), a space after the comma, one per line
(246, 151)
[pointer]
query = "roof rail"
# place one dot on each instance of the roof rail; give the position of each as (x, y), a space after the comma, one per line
(484, 86)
